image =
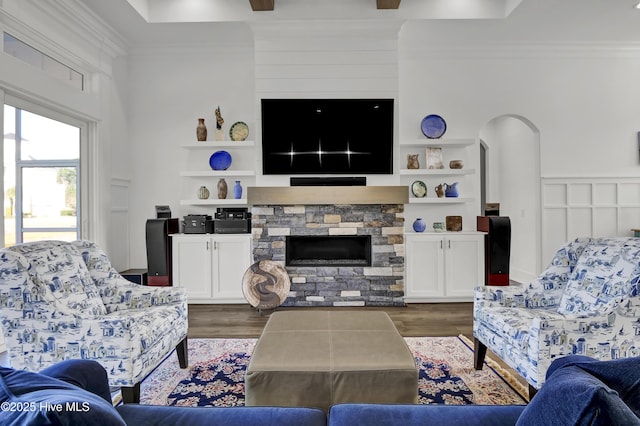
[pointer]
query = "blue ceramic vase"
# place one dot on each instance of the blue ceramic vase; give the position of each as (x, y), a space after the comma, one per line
(419, 225)
(237, 190)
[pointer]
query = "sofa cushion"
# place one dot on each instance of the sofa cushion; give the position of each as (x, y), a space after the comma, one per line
(135, 414)
(583, 391)
(58, 268)
(601, 278)
(28, 398)
(429, 414)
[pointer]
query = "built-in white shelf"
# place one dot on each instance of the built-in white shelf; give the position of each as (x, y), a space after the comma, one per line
(218, 173)
(443, 200)
(444, 143)
(214, 202)
(219, 144)
(439, 172)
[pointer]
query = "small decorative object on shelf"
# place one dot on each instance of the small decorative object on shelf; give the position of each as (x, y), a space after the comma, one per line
(440, 190)
(237, 190)
(419, 225)
(201, 130)
(412, 161)
(451, 190)
(434, 158)
(433, 126)
(219, 123)
(222, 189)
(419, 189)
(220, 160)
(454, 223)
(239, 131)
(203, 193)
(456, 164)
(438, 226)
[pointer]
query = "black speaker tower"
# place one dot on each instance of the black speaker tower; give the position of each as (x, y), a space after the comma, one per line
(497, 248)
(159, 256)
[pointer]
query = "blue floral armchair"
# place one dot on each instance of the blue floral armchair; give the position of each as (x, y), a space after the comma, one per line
(61, 300)
(587, 302)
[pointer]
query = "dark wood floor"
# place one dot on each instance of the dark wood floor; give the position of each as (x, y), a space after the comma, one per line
(414, 320)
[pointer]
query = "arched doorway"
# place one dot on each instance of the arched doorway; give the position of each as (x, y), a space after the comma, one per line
(510, 170)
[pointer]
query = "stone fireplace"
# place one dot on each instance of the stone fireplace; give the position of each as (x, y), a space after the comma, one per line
(326, 280)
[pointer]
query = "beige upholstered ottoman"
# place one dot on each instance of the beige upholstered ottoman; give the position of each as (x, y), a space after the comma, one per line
(322, 358)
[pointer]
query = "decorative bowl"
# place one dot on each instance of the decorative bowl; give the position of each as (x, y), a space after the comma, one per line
(456, 164)
(433, 126)
(220, 160)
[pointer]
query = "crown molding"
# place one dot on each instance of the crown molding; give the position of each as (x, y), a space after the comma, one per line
(74, 36)
(521, 50)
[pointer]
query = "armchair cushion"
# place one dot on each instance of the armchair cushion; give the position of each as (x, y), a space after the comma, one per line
(118, 293)
(36, 399)
(58, 269)
(601, 278)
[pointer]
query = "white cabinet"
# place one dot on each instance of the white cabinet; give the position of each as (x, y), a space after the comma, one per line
(443, 267)
(211, 266)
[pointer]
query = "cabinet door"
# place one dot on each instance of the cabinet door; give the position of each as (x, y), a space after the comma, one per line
(424, 265)
(232, 257)
(464, 265)
(192, 265)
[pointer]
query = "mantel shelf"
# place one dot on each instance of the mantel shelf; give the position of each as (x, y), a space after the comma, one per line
(306, 195)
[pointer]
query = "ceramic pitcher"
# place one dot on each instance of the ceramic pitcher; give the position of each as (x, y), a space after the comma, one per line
(451, 190)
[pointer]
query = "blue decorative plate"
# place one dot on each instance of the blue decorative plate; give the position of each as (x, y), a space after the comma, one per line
(433, 126)
(220, 160)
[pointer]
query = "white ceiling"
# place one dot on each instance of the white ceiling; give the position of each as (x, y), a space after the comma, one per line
(175, 22)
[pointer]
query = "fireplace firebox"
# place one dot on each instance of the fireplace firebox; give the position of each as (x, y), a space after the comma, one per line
(331, 250)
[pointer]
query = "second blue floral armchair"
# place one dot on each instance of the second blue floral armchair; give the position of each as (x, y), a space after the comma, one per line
(587, 302)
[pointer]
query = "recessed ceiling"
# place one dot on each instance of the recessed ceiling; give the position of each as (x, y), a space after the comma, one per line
(175, 22)
(241, 10)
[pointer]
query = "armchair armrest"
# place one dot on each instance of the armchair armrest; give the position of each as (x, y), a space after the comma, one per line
(119, 294)
(507, 296)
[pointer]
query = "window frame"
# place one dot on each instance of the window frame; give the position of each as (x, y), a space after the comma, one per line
(82, 178)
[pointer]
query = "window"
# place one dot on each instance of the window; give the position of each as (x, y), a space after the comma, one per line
(21, 50)
(41, 177)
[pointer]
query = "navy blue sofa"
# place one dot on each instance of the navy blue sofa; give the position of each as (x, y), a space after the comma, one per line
(578, 391)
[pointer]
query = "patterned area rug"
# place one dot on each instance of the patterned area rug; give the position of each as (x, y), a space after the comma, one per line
(215, 376)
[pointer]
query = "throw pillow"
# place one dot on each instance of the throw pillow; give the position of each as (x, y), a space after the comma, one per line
(30, 398)
(601, 278)
(58, 267)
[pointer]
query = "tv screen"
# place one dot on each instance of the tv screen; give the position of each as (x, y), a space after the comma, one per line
(327, 136)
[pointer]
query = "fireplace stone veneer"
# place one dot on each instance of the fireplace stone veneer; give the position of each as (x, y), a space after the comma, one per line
(381, 284)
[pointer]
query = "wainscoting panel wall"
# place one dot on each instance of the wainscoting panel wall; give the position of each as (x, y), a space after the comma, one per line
(119, 253)
(587, 207)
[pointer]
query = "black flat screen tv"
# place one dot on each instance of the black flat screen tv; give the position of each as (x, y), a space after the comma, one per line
(327, 136)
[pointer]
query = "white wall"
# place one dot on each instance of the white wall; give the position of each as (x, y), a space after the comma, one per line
(583, 101)
(169, 90)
